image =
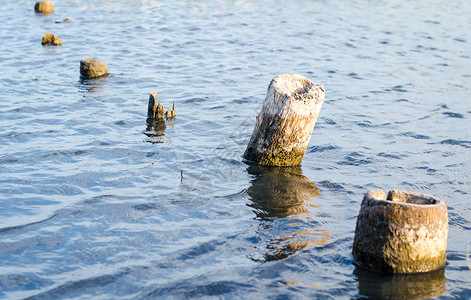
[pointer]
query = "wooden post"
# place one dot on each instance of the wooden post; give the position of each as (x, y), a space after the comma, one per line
(285, 123)
(405, 232)
(152, 106)
(155, 110)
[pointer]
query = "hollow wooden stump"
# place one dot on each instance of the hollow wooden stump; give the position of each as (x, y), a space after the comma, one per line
(44, 7)
(285, 123)
(405, 232)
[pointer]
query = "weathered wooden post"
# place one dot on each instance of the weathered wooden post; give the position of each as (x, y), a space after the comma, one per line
(285, 123)
(170, 114)
(405, 232)
(155, 110)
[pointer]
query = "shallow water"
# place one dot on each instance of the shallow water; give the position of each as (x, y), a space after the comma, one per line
(92, 201)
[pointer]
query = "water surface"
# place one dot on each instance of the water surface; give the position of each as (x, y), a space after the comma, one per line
(92, 198)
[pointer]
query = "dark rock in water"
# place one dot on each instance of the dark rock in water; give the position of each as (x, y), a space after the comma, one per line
(44, 7)
(90, 68)
(51, 39)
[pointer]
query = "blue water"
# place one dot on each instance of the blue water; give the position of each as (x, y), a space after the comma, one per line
(92, 198)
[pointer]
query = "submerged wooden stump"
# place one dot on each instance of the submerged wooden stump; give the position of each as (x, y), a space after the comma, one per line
(405, 232)
(285, 123)
(44, 7)
(90, 68)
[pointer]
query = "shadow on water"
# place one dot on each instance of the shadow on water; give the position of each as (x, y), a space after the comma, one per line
(400, 286)
(281, 198)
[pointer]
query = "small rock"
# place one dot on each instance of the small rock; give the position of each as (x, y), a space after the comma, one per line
(44, 7)
(64, 21)
(51, 39)
(90, 68)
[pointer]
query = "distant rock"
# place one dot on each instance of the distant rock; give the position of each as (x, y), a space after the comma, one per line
(50, 39)
(44, 7)
(90, 68)
(64, 21)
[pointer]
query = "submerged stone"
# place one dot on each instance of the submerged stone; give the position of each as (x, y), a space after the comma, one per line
(91, 68)
(44, 7)
(51, 39)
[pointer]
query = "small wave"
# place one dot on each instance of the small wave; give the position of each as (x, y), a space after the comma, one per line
(7, 229)
(355, 159)
(393, 156)
(416, 136)
(323, 148)
(73, 287)
(190, 289)
(465, 144)
(454, 115)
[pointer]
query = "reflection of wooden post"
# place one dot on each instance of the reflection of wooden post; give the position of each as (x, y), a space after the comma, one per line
(373, 285)
(405, 232)
(284, 126)
(280, 192)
